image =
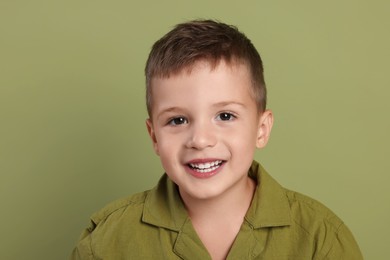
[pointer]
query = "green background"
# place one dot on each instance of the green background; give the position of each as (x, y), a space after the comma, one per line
(72, 129)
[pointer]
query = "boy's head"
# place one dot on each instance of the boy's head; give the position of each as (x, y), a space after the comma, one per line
(206, 102)
(204, 40)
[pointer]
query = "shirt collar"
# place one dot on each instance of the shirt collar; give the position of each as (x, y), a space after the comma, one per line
(164, 207)
(269, 208)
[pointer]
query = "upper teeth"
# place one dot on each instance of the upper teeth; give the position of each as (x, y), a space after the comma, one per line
(205, 165)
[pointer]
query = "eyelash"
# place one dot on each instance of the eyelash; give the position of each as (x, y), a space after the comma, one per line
(229, 114)
(177, 121)
(180, 120)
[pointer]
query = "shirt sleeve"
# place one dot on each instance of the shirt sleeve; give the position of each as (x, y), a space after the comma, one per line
(83, 250)
(344, 246)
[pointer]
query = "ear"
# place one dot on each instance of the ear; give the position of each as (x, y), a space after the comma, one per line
(266, 122)
(152, 134)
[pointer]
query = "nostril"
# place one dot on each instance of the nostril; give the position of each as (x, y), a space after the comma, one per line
(201, 139)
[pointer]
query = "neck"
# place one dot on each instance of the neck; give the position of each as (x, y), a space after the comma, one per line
(233, 203)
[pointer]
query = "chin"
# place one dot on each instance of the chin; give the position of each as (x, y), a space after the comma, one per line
(204, 194)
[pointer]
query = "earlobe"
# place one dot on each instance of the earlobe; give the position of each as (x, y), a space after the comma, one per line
(152, 134)
(264, 129)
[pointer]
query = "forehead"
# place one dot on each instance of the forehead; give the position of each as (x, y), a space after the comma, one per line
(204, 84)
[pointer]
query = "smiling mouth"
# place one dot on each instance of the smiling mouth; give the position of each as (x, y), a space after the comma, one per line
(206, 167)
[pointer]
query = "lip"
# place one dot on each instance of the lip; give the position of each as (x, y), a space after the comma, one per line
(203, 175)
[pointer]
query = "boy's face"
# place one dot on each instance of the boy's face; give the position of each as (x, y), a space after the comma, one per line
(205, 127)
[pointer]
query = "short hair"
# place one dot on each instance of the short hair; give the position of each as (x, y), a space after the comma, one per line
(204, 40)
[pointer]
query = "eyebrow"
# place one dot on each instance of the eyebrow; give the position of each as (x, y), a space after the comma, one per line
(167, 110)
(227, 103)
(219, 104)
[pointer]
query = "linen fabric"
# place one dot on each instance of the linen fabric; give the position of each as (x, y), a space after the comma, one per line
(280, 224)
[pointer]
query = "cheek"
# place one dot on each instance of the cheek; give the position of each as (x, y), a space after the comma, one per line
(242, 137)
(166, 159)
(168, 147)
(166, 142)
(242, 147)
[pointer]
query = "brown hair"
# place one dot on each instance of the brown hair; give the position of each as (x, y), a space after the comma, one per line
(207, 40)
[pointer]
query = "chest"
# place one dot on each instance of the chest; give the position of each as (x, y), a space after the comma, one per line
(150, 242)
(218, 238)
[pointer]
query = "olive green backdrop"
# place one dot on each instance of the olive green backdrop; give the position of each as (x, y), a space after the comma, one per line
(72, 131)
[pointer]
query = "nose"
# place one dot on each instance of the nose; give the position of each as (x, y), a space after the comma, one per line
(201, 135)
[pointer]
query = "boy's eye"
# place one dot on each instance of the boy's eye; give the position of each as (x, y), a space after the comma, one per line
(177, 121)
(225, 116)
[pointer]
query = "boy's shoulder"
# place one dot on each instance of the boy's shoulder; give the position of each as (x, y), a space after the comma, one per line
(160, 206)
(302, 222)
(307, 211)
(119, 206)
(278, 206)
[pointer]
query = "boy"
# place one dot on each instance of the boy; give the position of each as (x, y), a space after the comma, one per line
(206, 100)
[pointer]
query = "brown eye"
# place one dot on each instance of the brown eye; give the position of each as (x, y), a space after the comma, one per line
(225, 116)
(177, 121)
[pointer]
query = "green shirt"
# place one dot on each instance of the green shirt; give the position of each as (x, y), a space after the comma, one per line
(280, 224)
